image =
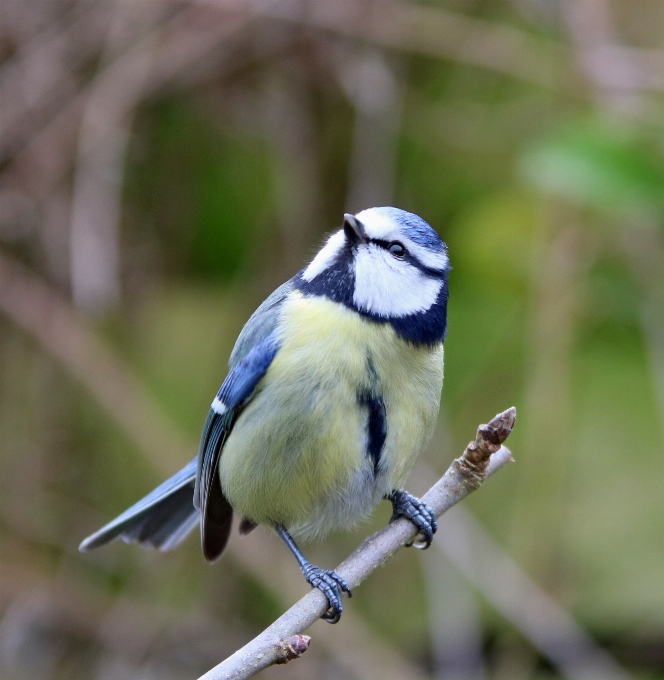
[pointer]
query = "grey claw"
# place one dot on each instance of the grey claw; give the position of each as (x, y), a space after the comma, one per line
(419, 513)
(331, 585)
(332, 615)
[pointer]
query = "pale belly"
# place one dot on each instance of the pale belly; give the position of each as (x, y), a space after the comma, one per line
(297, 455)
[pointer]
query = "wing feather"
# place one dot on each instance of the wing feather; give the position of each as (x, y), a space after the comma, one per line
(164, 517)
(235, 392)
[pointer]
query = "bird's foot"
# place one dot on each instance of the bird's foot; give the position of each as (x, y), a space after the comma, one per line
(419, 513)
(331, 585)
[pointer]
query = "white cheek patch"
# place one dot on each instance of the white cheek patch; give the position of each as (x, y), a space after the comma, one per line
(218, 406)
(326, 256)
(391, 288)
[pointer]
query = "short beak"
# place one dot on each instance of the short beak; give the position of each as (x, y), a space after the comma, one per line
(354, 230)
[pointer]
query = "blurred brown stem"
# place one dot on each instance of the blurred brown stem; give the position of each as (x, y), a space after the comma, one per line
(49, 318)
(172, 46)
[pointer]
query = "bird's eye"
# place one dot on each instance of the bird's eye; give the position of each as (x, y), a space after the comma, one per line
(397, 249)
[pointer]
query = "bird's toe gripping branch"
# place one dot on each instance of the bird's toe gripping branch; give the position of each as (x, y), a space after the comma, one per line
(419, 513)
(331, 585)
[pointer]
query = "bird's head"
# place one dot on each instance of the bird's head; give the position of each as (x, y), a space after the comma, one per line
(390, 266)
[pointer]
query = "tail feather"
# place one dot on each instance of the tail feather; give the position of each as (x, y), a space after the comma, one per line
(164, 523)
(217, 521)
(161, 520)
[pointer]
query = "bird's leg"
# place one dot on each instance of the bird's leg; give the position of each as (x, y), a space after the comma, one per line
(326, 580)
(419, 513)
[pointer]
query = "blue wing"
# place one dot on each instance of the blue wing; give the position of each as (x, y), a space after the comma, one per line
(161, 520)
(165, 516)
(238, 388)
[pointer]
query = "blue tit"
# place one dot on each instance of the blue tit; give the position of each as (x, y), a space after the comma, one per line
(333, 391)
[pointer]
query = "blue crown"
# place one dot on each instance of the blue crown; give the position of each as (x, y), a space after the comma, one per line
(418, 230)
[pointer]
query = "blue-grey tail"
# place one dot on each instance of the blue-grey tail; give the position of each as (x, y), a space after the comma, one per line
(161, 520)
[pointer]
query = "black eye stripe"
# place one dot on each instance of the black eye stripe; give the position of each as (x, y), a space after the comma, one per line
(408, 257)
(386, 244)
(397, 249)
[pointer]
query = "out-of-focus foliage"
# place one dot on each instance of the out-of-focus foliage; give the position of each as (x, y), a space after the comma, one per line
(212, 147)
(600, 165)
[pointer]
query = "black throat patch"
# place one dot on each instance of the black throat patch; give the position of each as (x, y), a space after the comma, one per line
(337, 283)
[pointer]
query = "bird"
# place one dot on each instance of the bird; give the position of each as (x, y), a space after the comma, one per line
(333, 391)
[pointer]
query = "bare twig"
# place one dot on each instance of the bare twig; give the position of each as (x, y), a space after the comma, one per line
(366, 656)
(482, 456)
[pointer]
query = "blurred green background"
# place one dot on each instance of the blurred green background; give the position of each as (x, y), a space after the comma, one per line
(165, 165)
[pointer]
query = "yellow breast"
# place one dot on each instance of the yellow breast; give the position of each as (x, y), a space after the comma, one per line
(297, 454)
